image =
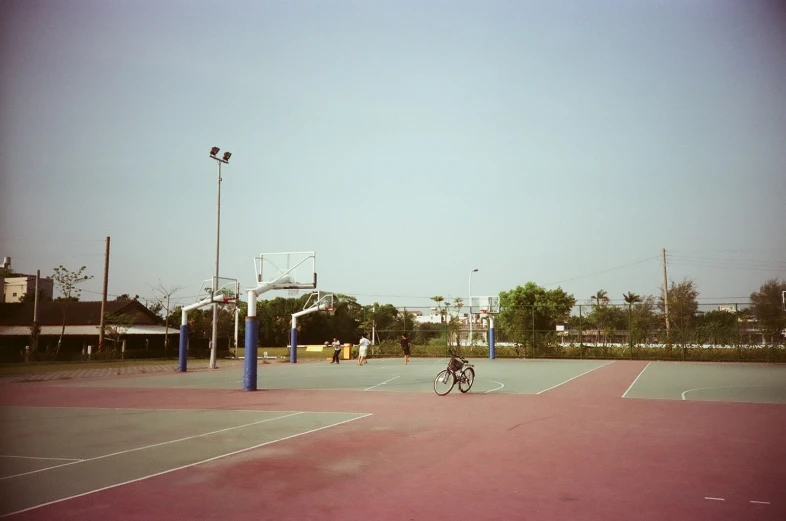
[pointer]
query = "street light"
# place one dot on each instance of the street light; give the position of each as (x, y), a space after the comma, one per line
(214, 339)
(470, 305)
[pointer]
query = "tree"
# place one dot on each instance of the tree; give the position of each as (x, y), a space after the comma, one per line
(600, 314)
(768, 308)
(162, 299)
(630, 298)
(29, 297)
(527, 308)
(117, 326)
(716, 327)
(438, 300)
(644, 319)
(386, 319)
(454, 320)
(125, 297)
(67, 281)
(427, 331)
(683, 307)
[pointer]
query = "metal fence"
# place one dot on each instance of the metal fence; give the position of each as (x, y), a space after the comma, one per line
(710, 332)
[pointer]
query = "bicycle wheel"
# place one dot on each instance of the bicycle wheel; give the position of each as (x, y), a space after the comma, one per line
(444, 382)
(466, 380)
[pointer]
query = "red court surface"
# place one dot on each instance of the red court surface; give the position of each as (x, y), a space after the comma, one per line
(576, 452)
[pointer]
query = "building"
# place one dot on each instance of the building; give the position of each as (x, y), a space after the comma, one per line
(17, 285)
(131, 330)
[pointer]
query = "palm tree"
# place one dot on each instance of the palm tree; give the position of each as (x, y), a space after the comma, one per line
(631, 298)
(600, 298)
(439, 299)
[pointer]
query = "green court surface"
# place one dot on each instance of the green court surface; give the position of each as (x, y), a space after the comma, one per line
(755, 383)
(80, 450)
(501, 376)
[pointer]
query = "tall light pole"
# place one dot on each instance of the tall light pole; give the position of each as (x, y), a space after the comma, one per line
(214, 339)
(470, 305)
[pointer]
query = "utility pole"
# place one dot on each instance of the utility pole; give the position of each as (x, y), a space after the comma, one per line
(665, 294)
(373, 323)
(103, 298)
(35, 318)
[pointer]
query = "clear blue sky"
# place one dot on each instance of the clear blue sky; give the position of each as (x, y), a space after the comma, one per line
(405, 142)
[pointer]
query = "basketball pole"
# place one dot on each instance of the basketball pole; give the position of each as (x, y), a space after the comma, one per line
(252, 339)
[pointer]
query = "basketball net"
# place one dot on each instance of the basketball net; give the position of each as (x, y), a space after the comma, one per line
(294, 292)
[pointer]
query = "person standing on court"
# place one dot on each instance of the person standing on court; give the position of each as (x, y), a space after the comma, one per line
(363, 349)
(336, 349)
(405, 347)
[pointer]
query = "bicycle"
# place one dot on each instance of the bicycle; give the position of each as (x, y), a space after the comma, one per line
(459, 371)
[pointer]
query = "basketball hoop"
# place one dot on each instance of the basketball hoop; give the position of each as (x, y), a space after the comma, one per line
(330, 310)
(230, 300)
(293, 292)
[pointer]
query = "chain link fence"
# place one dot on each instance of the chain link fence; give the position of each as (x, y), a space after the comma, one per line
(711, 332)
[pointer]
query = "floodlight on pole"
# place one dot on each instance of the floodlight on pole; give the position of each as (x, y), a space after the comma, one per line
(214, 339)
(470, 305)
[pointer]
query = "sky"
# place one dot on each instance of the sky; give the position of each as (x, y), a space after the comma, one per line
(406, 143)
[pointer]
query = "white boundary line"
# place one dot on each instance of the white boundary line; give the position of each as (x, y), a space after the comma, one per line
(36, 457)
(501, 385)
(715, 498)
(578, 375)
(383, 383)
(760, 502)
(723, 387)
(150, 446)
(635, 380)
(214, 458)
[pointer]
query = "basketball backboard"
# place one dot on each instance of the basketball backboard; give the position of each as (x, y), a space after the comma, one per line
(225, 286)
(287, 270)
(322, 301)
(485, 305)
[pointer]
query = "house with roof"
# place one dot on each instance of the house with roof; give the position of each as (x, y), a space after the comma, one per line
(131, 329)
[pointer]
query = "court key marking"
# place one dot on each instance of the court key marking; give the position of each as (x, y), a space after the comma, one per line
(214, 458)
(74, 462)
(578, 375)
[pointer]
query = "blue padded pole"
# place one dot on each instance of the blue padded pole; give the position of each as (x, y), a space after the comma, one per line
(293, 343)
(250, 362)
(492, 354)
(182, 362)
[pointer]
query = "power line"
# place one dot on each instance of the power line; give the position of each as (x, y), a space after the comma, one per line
(603, 271)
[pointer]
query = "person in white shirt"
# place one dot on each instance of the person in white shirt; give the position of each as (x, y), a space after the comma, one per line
(336, 349)
(363, 350)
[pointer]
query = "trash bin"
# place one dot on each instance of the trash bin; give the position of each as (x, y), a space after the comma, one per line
(346, 352)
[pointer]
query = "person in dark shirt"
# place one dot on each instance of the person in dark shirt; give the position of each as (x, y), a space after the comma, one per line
(405, 347)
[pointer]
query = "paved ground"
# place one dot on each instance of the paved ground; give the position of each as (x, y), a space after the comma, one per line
(163, 367)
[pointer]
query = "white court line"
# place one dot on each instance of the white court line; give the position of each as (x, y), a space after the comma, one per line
(714, 498)
(636, 380)
(568, 380)
(383, 383)
(760, 502)
(185, 466)
(41, 458)
(150, 446)
(723, 387)
(501, 385)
